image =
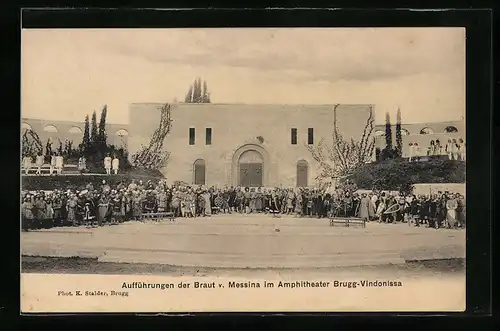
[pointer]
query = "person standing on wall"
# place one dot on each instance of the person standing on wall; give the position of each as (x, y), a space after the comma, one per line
(39, 163)
(59, 164)
(82, 163)
(27, 160)
(449, 149)
(53, 159)
(107, 164)
(438, 147)
(432, 148)
(461, 144)
(415, 152)
(116, 165)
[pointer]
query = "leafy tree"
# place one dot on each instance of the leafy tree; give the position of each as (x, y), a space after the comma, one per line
(343, 157)
(396, 174)
(31, 143)
(399, 138)
(154, 156)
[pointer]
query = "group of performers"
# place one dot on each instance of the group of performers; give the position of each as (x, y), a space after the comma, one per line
(454, 149)
(96, 206)
(56, 164)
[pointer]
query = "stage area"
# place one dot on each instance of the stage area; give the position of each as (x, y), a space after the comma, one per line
(248, 241)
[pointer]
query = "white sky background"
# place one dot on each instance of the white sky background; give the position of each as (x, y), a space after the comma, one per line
(69, 73)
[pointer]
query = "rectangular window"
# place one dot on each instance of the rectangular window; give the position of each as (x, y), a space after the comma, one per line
(208, 136)
(191, 136)
(310, 136)
(294, 136)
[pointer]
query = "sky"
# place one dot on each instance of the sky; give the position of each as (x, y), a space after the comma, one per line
(67, 73)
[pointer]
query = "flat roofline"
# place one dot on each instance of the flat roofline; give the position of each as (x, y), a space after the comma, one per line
(253, 104)
(60, 121)
(423, 123)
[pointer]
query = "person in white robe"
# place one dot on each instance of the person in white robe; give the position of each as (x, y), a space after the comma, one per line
(439, 148)
(52, 163)
(27, 160)
(107, 164)
(82, 163)
(39, 163)
(462, 149)
(451, 212)
(116, 165)
(59, 164)
(416, 151)
(410, 152)
(449, 149)
(455, 150)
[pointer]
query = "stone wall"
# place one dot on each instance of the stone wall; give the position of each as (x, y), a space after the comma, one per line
(73, 131)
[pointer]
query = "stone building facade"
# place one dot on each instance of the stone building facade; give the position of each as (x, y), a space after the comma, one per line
(241, 144)
(71, 131)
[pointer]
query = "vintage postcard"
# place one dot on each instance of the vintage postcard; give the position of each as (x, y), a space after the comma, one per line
(243, 170)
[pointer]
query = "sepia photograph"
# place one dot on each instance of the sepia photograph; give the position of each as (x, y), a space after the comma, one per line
(243, 170)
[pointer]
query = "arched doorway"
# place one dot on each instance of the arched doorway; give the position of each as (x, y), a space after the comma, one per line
(302, 173)
(250, 169)
(199, 172)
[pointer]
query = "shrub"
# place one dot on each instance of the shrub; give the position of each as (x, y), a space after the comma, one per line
(34, 183)
(399, 174)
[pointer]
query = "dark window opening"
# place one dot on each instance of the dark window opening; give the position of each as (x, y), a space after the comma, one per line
(208, 136)
(294, 136)
(310, 136)
(191, 136)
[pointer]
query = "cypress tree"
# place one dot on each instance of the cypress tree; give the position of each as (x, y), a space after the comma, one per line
(200, 91)
(197, 91)
(94, 131)
(86, 136)
(388, 132)
(102, 127)
(189, 95)
(399, 138)
(206, 98)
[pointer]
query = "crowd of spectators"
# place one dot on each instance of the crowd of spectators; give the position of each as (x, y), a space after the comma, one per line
(97, 206)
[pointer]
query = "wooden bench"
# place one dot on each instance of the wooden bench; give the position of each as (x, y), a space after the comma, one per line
(158, 216)
(348, 222)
